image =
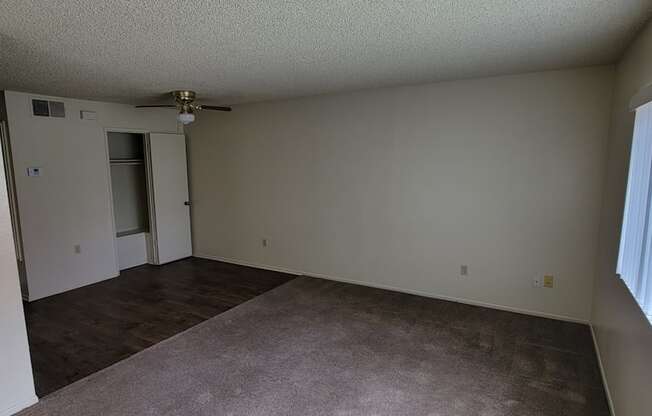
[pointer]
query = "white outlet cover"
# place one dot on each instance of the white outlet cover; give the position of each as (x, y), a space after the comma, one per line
(35, 171)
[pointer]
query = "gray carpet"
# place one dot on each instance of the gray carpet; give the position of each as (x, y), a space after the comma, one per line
(316, 347)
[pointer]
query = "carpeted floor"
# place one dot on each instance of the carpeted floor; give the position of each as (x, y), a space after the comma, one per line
(316, 347)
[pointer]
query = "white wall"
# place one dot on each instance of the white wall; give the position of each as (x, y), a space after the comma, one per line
(624, 335)
(69, 203)
(16, 383)
(398, 187)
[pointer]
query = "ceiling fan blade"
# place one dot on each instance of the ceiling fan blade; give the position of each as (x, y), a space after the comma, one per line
(212, 107)
(157, 106)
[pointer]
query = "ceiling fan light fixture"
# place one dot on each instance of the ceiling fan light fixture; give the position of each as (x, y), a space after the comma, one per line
(185, 117)
(186, 108)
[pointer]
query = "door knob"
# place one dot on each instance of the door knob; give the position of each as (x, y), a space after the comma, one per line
(187, 203)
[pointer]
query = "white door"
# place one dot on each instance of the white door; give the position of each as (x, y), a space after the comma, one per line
(169, 195)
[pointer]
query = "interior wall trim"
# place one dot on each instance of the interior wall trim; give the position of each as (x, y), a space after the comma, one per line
(602, 372)
(393, 288)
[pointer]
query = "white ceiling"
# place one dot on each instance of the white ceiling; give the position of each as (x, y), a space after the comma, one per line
(247, 50)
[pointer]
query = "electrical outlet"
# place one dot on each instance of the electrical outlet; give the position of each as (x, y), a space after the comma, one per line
(548, 281)
(265, 242)
(464, 270)
(537, 281)
(77, 248)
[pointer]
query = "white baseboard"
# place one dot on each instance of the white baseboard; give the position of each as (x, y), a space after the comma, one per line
(393, 288)
(18, 406)
(602, 373)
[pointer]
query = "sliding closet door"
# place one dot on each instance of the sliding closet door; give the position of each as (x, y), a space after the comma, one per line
(171, 210)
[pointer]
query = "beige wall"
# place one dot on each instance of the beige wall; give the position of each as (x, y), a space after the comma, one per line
(69, 204)
(398, 187)
(16, 384)
(623, 333)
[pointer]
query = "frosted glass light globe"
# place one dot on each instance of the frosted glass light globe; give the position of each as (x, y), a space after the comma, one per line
(186, 118)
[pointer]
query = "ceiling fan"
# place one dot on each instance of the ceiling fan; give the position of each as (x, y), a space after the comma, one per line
(184, 103)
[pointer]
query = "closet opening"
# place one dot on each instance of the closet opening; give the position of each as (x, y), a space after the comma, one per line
(129, 191)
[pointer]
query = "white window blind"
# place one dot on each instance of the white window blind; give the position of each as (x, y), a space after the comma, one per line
(635, 255)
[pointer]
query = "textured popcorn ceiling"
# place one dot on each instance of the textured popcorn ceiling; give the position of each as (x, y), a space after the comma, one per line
(239, 51)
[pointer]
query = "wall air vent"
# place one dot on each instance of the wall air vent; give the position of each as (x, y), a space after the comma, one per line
(57, 109)
(45, 108)
(41, 108)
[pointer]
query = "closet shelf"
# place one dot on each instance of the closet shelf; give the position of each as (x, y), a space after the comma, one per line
(126, 161)
(131, 232)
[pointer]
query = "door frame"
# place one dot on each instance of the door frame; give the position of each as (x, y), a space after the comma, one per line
(152, 240)
(14, 212)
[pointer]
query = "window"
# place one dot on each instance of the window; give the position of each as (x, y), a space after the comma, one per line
(635, 255)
